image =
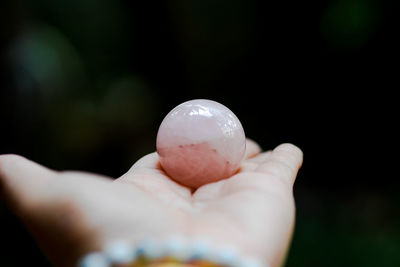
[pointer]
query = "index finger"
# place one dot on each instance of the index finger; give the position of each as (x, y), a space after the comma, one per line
(252, 149)
(284, 161)
(150, 161)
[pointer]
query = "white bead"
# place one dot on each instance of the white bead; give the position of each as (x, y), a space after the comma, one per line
(251, 263)
(119, 252)
(176, 247)
(95, 259)
(227, 256)
(151, 249)
(200, 249)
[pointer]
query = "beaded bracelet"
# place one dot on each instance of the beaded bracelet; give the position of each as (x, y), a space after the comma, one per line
(172, 253)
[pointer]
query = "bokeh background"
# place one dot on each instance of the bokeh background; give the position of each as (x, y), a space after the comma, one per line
(85, 84)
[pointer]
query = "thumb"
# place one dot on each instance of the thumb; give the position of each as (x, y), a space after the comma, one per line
(22, 181)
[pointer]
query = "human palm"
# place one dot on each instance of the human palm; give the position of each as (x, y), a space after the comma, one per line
(72, 213)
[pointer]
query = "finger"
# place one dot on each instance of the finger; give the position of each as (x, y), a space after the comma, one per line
(260, 158)
(148, 175)
(253, 163)
(22, 180)
(284, 161)
(252, 149)
(150, 161)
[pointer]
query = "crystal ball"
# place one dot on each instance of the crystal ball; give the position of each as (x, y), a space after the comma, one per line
(199, 142)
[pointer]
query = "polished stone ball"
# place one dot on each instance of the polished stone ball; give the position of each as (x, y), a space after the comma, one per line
(200, 142)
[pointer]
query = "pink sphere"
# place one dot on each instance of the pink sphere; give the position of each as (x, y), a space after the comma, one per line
(200, 142)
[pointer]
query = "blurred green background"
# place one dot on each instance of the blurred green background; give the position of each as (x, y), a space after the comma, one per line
(85, 84)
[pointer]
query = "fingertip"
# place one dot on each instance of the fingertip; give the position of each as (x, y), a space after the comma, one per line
(290, 149)
(20, 176)
(149, 161)
(284, 161)
(252, 148)
(6, 160)
(10, 157)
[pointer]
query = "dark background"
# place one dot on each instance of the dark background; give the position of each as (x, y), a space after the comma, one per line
(85, 84)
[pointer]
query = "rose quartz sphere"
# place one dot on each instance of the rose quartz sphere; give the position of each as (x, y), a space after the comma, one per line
(200, 142)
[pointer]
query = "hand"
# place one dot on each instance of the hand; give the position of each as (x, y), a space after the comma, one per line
(73, 213)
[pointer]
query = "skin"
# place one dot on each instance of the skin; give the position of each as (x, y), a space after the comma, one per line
(73, 213)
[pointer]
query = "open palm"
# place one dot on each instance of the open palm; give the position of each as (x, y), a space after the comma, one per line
(72, 213)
